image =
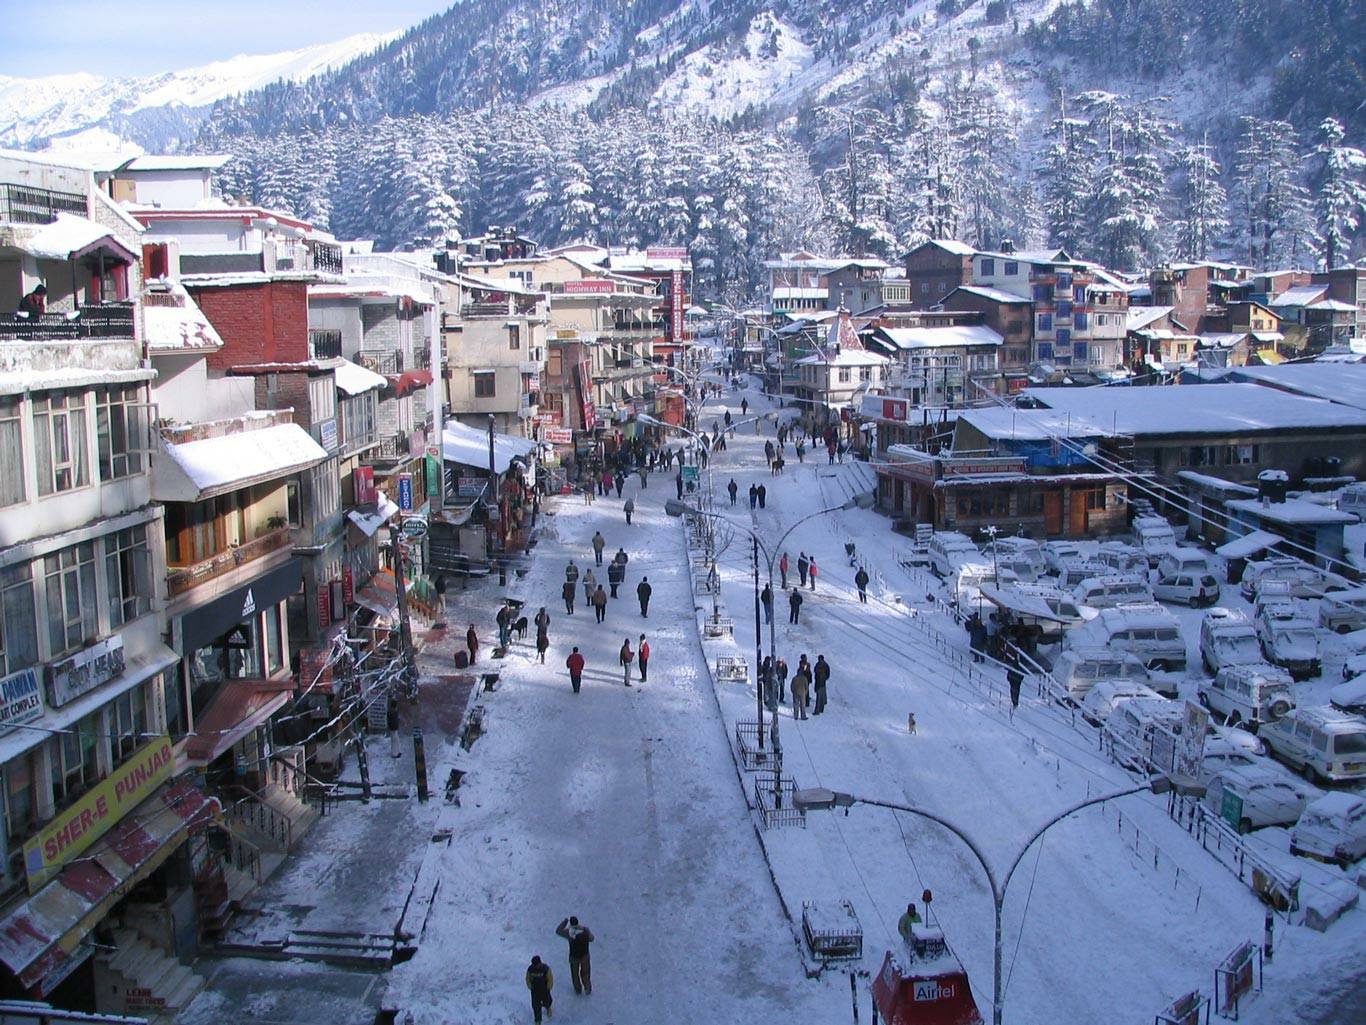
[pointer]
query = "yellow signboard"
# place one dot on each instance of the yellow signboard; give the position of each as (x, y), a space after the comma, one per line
(76, 828)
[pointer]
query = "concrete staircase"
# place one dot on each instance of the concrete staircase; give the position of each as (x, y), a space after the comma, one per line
(145, 980)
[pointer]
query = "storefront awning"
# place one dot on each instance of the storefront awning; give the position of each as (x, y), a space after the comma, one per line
(239, 707)
(368, 523)
(380, 596)
(1248, 545)
(193, 471)
(39, 935)
(468, 446)
(405, 384)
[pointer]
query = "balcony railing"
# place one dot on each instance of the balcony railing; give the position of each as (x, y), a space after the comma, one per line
(222, 263)
(110, 320)
(182, 578)
(391, 449)
(422, 357)
(324, 343)
(484, 310)
(325, 257)
(382, 361)
(23, 204)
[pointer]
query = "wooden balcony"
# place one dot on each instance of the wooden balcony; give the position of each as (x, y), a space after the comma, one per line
(184, 578)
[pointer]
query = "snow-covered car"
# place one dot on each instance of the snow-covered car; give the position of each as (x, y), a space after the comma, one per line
(949, 549)
(1105, 592)
(1077, 670)
(1184, 560)
(1332, 828)
(1227, 638)
(965, 583)
(1250, 798)
(1100, 700)
(1289, 640)
(1051, 610)
(1343, 611)
(1230, 737)
(1154, 536)
(1131, 724)
(1320, 741)
(1305, 581)
(1198, 590)
(1121, 557)
(1350, 696)
(1072, 572)
(1055, 553)
(1147, 631)
(1353, 500)
(1248, 695)
(1024, 554)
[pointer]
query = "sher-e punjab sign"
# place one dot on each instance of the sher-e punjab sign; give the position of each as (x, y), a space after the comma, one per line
(79, 826)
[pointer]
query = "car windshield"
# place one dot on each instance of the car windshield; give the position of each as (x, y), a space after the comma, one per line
(1350, 744)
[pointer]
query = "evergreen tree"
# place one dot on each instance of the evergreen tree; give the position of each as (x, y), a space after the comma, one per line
(1274, 216)
(1340, 191)
(1201, 203)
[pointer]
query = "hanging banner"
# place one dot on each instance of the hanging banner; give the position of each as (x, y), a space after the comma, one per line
(405, 491)
(365, 485)
(433, 476)
(676, 301)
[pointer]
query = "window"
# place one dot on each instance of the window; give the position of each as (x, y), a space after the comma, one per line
(18, 619)
(1079, 350)
(75, 761)
(128, 571)
(514, 336)
(1045, 350)
(274, 639)
(1079, 294)
(70, 586)
(1079, 321)
(121, 429)
(485, 384)
(1064, 280)
(1011, 269)
(1064, 336)
(865, 373)
(358, 420)
(1045, 322)
(322, 398)
(1246, 454)
(128, 719)
(555, 363)
(326, 487)
(988, 268)
(1095, 499)
(844, 375)
(1064, 310)
(21, 802)
(11, 453)
(59, 432)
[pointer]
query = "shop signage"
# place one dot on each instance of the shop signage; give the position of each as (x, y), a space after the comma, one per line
(209, 622)
(1231, 808)
(79, 826)
(666, 253)
(690, 474)
(587, 285)
(405, 491)
(547, 419)
(676, 308)
(894, 409)
(21, 699)
(933, 989)
(85, 670)
(327, 431)
(432, 473)
(469, 487)
(365, 485)
(415, 527)
(348, 582)
(559, 436)
(1190, 752)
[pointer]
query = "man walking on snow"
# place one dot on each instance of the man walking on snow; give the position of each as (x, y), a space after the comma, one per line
(627, 656)
(600, 603)
(540, 980)
(574, 663)
(794, 606)
(643, 657)
(542, 633)
(753, 496)
(472, 643)
(811, 572)
(643, 592)
(567, 593)
(732, 487)
(579, 937)
(599, 543)
(766, 600)
(628, 508)
(782, 567)
(861, 582)
(822, 677)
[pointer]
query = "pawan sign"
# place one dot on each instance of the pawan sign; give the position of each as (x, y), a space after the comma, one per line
(79, 826)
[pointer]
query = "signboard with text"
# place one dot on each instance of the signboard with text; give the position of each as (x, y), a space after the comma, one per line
(559, 436)
(85, 670)
(587, 285)
(405, 491)
(894, 409)
(365, 485)
(77, 827)
(676, 300)
(21, 699)
(654, 253)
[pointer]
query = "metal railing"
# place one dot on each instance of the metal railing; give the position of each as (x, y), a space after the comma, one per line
(106, 320)
(250, 811)
(324, 343)
(325, 256)
(382, 361)
(391, 448)
(24, 204)
(182, 578)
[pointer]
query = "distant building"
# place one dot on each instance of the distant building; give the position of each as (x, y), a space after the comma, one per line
(934, 269)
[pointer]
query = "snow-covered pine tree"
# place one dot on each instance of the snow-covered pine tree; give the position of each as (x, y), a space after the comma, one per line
(1274, 218)
(1339, 192)
(1201, 203)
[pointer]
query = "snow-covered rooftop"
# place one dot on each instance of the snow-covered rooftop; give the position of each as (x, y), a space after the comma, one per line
(843, 358)
(66, 235)
(1010, 424)
(195, 470)
(355, 380)
(941, 337)
(996, 295)
(1300, 295)
(1291, 511)
(179, 328)
(470, 447)
(1343, 384)
(168, 162)
(1142, 316)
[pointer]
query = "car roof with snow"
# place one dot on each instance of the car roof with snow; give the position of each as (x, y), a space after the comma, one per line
(1337, 804)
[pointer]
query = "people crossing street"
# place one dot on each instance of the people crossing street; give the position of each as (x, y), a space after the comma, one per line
(643, 592)
(574, 663)
(600, 603)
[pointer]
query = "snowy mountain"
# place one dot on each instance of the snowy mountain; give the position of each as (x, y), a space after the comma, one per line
(158, 110)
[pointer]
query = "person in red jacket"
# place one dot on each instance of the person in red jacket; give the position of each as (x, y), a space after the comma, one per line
(643, 656)
(627, 656)
(472, 642)
(782, 568)
(574, 663)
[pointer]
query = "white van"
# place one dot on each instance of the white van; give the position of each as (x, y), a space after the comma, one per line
(1321, 741)
(1248, 695)
(1077, 670)
(1055, 553)
(1122, 558)
(1154, 536)
(1227, 638)
(1148, 631)
(1190, 561)
(1108, 591)
(1353, 500)
(1254, 798)
(1020, 553)
(1305, 581)
(1289, 640)
(1072, 572)
(1343, 611)
(949, 549)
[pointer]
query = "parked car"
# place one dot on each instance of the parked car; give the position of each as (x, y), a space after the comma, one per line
(1122, 558)
(1147, 631)
(1102, 699)
(1072, 572)
(965, 584)
(1154, 536)
(1020, 552)
(1131, 725)
(1248, 695)
(1227, 638)
(1055, 553)
(1198, 590)
(948, 549)
(1251, 798)
(1343, 611)
(1077, 670)
(1354, 666)
(1289, 640)
(1350, 696)
(1353, 500)
(1105, 592)
(1184, 559)
(1306, 581)
(1332, 828)
(1321, 742)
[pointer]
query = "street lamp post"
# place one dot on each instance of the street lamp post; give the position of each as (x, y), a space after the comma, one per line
(821, 799)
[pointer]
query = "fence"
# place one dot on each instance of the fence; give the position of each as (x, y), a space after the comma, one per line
(777, 805)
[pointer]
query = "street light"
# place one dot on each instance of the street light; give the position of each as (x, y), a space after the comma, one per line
(822, 799)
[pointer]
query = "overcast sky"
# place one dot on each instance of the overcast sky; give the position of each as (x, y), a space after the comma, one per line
(105, 37)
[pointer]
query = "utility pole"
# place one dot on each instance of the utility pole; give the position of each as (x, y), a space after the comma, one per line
(405, 627)
(758, 648)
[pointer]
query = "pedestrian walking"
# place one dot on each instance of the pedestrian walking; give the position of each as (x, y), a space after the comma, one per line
(821, 676)
(626, 657)
(567, 593)
(811, 572)
(769, 450)
(753, 496)
(599, 543)
(1014, 678)
(606, 482)
(542, 638)
(600, 603)
(621, 557)
(744, 407)
(616, 573)
(643, 657)
(766, 600)
(803, 564)
(579, 937)
(643, 592)
(801, 452)
(780, 668)
(678, 484)
(574, 663)
(571, 572)
(590, 584)
(782, 568)
(472, 643)
(629, 508)
(794, 606)
(732, 487)
(861, 582)
(801, 693)
(540, 980)
(977, 636)
(762, 492)
(644, 478)
(620, 482)
(504, 622)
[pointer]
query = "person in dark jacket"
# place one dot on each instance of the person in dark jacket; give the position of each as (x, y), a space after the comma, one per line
(567, 593)
(542, 634)
(504, 621)
(1014, 678)
(472, 643)
(780, 670)
(782, 568)
(643, 657)
(977, 636)
(571, 572)
(626, 656)
(794, 606)
(643, 592)
(861, 582)
(628, 508)
(678, 484)
(803, 564)
(574, 663)
(744, 407)
(801, 692)
(616, 573)
(540, 980)
(600, 603)
(580, 968)
(821, 676)
(753, 496)
(732, 487)
(766, 600)
(34, 304)
(762, 493)
(599, 543)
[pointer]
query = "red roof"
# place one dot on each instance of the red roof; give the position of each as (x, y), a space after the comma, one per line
(240, 707)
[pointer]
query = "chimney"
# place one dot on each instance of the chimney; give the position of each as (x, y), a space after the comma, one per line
(1007, 246)
(1272, 486)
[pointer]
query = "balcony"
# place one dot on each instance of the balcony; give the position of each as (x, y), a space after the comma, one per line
(23, 204)
(422, 357)
(382, 361)
(183, 578)
(107, 320)
(324, 343)
(222, 263)
(392, 448)
(324, 257)
(471, 311)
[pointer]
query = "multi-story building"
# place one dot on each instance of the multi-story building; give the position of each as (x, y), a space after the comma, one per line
(940, 366)
(1010, 316)
(1347, 285)
(794, 282)
(838, 373)
(1196, 290)
(934, 269)
(855, 285)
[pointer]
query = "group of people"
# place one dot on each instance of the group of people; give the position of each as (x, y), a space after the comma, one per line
(1002, 641)
(540, 980)
(808, 679)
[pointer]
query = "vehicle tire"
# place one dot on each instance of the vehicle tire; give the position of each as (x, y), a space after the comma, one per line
(1343, 628)
(1309, 773)
(1279, 709)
